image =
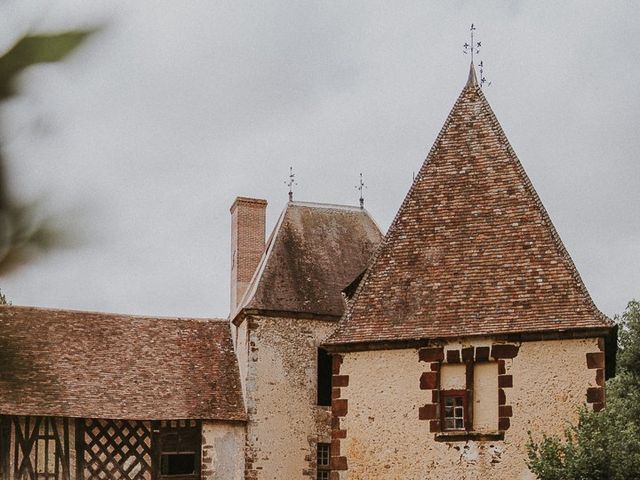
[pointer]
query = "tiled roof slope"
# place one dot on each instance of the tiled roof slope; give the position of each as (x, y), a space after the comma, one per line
(314, 252)
(472, 250)
(98, 365)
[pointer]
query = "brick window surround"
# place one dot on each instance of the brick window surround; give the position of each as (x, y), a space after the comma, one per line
(596, 361)
(339, 408)
(433, 412)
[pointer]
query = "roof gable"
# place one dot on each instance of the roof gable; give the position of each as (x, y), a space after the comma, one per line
(99, 365)
(314, 252)
(472, 250)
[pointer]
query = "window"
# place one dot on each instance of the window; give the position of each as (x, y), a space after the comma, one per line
(180, 451)
(177, 463)
(454, 397)
(454, 409)
(469, 397)
(323, 461)
(324, 378)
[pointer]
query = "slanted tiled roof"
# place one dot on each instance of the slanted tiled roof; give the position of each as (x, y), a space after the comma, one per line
(472, 250)
(314, 252)
(98, 365)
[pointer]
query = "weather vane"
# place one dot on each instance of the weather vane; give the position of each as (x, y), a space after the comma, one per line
(290, 183)
(483, 80)
(360, 187)
(474, 48)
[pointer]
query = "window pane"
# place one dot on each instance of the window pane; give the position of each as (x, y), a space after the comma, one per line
(177, 464)
(323, 459)
(453, 413)
(323, 454)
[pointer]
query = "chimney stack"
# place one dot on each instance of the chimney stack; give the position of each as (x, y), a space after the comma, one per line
(247, 243)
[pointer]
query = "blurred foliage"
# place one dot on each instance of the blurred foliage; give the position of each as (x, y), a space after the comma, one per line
(23, 231)
(34, 49)
(603, 445)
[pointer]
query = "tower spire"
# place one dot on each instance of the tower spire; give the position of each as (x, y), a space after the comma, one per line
(473, 48)
(472, 81)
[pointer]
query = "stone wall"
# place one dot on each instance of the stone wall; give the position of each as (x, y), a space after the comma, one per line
(387, 416)
(222, 451)
(285, 424)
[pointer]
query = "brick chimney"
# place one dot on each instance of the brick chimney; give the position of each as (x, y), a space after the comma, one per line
(247, 243)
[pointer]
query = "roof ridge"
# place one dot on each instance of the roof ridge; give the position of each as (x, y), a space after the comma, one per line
(114, 314)
(329, 206)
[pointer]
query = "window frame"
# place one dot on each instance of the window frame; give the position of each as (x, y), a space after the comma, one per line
(177, 440)
(464, 394)
(323, 470)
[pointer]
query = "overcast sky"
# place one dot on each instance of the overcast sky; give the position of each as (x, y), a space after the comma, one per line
(141, 141)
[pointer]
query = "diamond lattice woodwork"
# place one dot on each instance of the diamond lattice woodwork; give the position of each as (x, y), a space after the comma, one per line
(116, 450)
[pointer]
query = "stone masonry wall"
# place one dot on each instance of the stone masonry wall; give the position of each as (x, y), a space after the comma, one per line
(381, 433)
(222, 451)
(285, 424)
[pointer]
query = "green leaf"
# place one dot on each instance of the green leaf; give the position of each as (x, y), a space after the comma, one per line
(34, 49)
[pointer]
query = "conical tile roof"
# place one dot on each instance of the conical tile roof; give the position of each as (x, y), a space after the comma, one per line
(471, 251)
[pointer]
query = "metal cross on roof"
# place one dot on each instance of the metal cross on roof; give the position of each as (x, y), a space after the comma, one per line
(472, 47)
(290, 183)
(360, 187)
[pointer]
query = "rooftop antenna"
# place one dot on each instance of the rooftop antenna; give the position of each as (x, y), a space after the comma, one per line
(472, 47)
(290, 183)
(360, 187)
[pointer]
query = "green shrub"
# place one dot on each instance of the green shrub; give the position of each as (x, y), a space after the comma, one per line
(603, 445)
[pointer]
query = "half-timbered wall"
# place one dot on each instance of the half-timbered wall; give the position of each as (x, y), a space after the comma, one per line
(48, 448)
(37, 448)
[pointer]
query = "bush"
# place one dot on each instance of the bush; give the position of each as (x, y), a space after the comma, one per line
(603, 445)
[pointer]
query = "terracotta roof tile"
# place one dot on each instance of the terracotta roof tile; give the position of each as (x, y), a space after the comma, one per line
(471, 251)
(314, 252)
(99, 365)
